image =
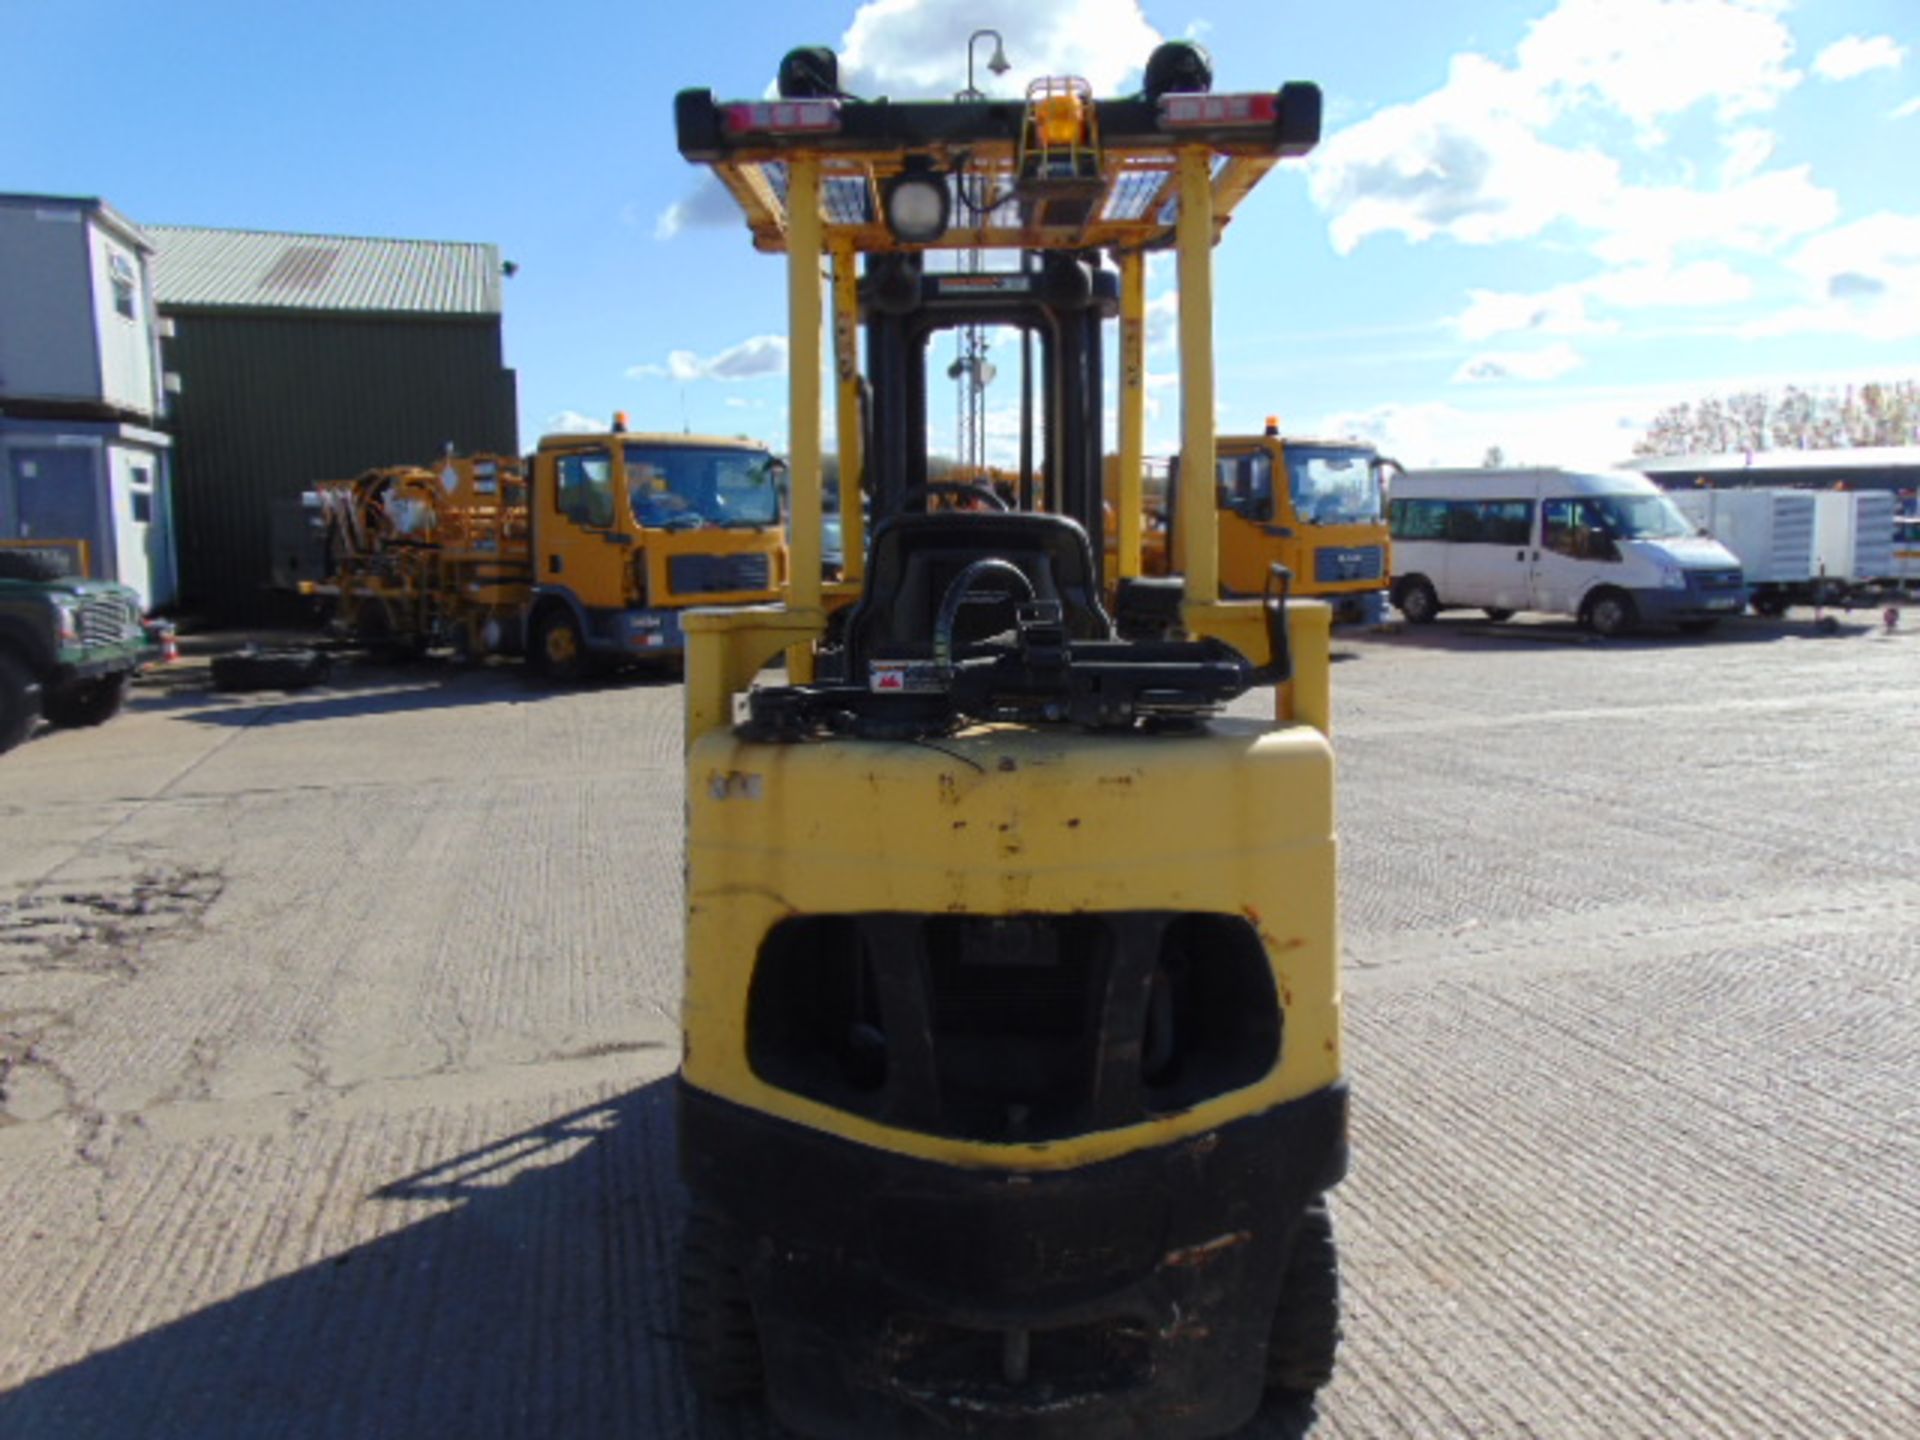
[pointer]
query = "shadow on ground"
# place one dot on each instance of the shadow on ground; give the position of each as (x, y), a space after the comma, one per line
(1462, 631)
(540, 1305)
(357, 688)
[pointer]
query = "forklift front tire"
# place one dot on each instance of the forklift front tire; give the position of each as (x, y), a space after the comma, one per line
(1306, 1325)
(718, 1338)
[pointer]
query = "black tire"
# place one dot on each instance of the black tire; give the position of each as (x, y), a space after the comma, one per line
(1417, 601)
(719, 1342)
(1306, 1324)
(1771, 606)
(1497, 613)
(269, 670)
(1610, 613)
(559, 650)
(19, 702)
(37, 566)
(91, 702)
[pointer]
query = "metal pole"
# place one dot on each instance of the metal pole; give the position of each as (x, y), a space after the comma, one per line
(1128, 499)
(846, 365)
(1199, 531)
(804, 235)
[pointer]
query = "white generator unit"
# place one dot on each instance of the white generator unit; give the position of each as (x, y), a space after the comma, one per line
(1770, 530)
(1853, 536)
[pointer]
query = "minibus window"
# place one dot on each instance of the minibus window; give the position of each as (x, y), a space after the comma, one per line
(1577, 528)
(1418, 520)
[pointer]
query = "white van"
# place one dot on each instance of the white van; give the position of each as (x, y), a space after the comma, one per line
(1611, 549)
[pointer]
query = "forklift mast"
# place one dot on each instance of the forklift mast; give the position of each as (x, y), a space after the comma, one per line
(1062, 299)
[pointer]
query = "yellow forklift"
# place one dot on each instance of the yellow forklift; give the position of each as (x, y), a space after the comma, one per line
(1012, 1087)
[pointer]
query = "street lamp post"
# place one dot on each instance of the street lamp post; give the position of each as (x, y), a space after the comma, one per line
(970, 368)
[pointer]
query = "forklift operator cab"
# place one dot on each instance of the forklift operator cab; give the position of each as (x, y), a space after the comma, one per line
(1011, 1089)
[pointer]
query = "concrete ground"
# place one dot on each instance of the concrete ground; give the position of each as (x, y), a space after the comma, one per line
(334, 1026)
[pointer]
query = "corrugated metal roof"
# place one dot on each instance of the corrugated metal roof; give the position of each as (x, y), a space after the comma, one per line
(261, 270)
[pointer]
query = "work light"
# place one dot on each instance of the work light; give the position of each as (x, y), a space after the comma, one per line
(917, 204)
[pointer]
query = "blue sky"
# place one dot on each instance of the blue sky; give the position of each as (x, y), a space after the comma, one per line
(1532, 223)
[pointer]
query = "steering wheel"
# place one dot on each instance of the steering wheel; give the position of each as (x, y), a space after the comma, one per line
(959, 489)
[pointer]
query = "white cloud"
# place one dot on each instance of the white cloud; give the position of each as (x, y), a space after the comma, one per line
(572, 422)
(1651, 59)
(1529, 365)
(1856, 55)
(1163, 320)
(1905, 111)
(1861, 279)
(1702, 283)
(1568, 309)
(918, 48)
(1560, 311)
(1502, 152)
(1647, 224)
(749, 360)
(1748, 150)
(1465, 161)
(1581, 433)
(707, 206)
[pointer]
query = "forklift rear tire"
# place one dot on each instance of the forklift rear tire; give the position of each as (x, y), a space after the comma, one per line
(1306, 1326)
(719, 1341)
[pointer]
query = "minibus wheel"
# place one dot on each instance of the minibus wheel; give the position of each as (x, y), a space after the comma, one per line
(1417, 600)
(1306, 1326)
(1610, 613)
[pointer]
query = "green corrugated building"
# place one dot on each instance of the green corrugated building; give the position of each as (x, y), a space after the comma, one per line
(312, 357)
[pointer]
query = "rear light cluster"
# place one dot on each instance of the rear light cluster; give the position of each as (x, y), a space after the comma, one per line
(1181, 111)
(782, 117)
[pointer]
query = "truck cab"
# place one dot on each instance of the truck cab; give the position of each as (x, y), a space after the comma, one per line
(631, 529)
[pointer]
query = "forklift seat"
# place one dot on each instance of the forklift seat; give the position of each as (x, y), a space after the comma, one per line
(914, 558)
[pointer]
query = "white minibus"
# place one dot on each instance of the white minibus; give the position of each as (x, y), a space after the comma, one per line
(1611, 549)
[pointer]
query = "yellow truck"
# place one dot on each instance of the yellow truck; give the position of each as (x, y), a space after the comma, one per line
(581, 556)
(1317, 507)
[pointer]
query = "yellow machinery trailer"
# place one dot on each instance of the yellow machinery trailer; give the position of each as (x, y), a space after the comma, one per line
(1012, 1082)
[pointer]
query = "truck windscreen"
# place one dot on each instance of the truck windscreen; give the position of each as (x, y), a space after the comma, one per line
(688, 486)
(1334, 486)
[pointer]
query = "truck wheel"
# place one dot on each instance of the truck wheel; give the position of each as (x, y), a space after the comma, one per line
(718, 1341)
(19, 702)
(1497, 613)
(1417, 601)
(92, 702)
(559, 649)
(1771, 606)
(1306, 1326)
(1611, 613)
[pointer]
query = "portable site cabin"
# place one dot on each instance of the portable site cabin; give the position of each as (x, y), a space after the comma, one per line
(83, 456)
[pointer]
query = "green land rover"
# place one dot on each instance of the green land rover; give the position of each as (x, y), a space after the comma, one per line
(69, 647)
